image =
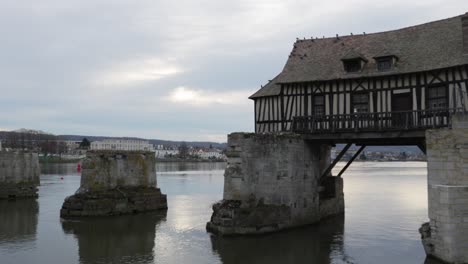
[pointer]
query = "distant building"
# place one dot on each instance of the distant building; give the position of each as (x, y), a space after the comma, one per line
(0, 145)
(164, 153)
(208, 154)
(159, 147)
(72, 145)
(122, 144)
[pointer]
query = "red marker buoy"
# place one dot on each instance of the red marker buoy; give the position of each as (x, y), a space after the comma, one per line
(78, 168)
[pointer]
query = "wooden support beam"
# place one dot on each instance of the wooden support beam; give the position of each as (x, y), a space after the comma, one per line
(283, 115)
(351, 160)
(338, 158)
(422, 146)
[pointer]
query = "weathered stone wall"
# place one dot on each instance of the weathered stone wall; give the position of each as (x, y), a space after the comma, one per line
(115, 183)
(271, 182)
(19, 174)
(446, 235)
(110, 169)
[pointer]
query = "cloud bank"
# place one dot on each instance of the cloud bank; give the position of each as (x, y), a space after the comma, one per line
(179, 70)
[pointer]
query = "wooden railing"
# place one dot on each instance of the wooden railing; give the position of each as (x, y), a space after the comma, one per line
(374, 122)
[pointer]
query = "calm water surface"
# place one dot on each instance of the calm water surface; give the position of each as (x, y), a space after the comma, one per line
(386, 202)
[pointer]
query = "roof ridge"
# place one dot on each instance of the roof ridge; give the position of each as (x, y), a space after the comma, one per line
(298, 40)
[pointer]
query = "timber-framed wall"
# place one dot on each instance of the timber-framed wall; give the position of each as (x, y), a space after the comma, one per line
(277, 112)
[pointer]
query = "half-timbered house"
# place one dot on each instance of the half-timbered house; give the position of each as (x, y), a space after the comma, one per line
(411, 78)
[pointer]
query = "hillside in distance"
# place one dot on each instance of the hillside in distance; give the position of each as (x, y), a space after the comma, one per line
(202, 144)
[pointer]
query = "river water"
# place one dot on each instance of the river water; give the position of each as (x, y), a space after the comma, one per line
(386, 202)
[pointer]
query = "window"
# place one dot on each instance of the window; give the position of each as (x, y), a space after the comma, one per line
(352, 65)
(360, 102)
(319, 105)
(384, 64)
(437, 97)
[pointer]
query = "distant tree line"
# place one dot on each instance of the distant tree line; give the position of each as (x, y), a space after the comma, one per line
(44, 143)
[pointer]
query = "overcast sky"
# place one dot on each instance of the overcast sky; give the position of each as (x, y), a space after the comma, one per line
(177, 70)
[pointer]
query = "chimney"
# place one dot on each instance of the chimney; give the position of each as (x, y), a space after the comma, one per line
(465, 33)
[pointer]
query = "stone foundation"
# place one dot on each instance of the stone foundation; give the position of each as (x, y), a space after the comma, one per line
(116, 201)
(445, 236)
(115, 183)
(272, 183)
(19, 174)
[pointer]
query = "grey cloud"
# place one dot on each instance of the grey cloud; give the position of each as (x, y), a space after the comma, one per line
(51, 52)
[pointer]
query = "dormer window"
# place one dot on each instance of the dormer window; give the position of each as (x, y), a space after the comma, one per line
(352, 65)
(385, 63)
(353, 61)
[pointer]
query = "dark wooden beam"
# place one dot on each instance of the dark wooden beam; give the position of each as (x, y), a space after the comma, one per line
(351, 160)
(422, 146)
(283, 115)
(338, 158)
(374, 95)
(418, 92)
(255, 116)
(345, 87)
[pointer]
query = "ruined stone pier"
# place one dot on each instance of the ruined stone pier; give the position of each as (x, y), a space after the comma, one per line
(445, 236)
(115, 183)
(19, 174)
(272, 182)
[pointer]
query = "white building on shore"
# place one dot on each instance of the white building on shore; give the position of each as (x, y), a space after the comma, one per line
(165, 153)
(209, 154)
(122, 144)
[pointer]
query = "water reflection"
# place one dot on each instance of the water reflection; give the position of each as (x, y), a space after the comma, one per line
(70, 168)
(321, 243)
(189, 166)
(58, 168)
(385, 205)
(123, 239)
(18, 222)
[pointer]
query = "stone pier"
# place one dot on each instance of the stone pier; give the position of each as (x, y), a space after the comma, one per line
(19, 174)
(115, 183)
(446, 235)
(271, 183)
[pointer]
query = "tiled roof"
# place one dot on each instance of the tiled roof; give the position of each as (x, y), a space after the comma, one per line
(433, 45)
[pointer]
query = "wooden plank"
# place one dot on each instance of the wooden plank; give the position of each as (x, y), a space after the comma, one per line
(351, 160)
(286, 115)
(345, 107)
(269, 113)
(278, 113)
(264, 109)
(292, 105)
(296, 101)
(338, 158)
(300, 100)
(381, 95)
(453, 88)
(282, 108)
(374, 96)
(418, 91)
(332, 96)
(306, 100)
(255, 116)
